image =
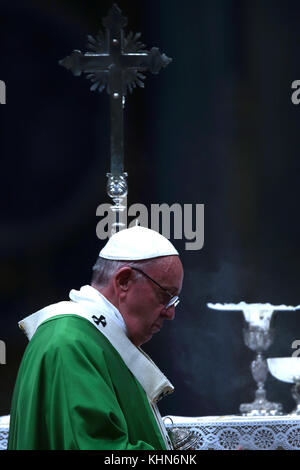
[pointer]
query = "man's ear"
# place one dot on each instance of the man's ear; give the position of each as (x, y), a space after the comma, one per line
(122, 278)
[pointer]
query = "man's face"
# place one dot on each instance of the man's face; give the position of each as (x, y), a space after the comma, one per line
(143, 304)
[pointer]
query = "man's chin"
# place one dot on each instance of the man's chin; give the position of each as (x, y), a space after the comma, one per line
(148, 336)
(156, 328)
(139, 342)
(146, 339)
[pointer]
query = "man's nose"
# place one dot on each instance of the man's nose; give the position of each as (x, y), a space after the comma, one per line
(169, 313)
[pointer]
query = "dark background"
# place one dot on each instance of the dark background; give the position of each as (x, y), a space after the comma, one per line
(216, 127)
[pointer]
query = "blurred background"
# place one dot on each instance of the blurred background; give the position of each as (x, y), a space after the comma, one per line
(216, 127)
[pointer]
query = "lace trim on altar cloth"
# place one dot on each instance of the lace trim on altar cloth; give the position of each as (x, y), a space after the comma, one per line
(3, 439)
(235, 432)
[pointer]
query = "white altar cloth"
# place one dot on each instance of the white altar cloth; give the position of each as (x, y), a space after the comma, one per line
(241, 432)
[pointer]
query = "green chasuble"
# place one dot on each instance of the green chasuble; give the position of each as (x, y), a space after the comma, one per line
(74, 391)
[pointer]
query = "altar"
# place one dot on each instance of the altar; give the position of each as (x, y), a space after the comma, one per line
(223, 432)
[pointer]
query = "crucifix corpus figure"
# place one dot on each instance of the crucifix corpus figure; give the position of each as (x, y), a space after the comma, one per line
(116, 62)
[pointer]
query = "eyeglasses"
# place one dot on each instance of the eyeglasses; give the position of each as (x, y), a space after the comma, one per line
(174, 300)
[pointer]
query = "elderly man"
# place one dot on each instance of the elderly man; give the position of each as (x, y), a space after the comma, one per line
(84, 382)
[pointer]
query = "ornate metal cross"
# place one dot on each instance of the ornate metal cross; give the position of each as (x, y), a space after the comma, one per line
(117, 63)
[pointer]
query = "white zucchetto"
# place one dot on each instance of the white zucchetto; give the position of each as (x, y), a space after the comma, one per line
(137, 243)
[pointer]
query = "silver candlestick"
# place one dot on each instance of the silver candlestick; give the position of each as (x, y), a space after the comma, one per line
(258, 336)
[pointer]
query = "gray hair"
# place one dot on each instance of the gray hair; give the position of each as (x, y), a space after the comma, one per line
(104, 269)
